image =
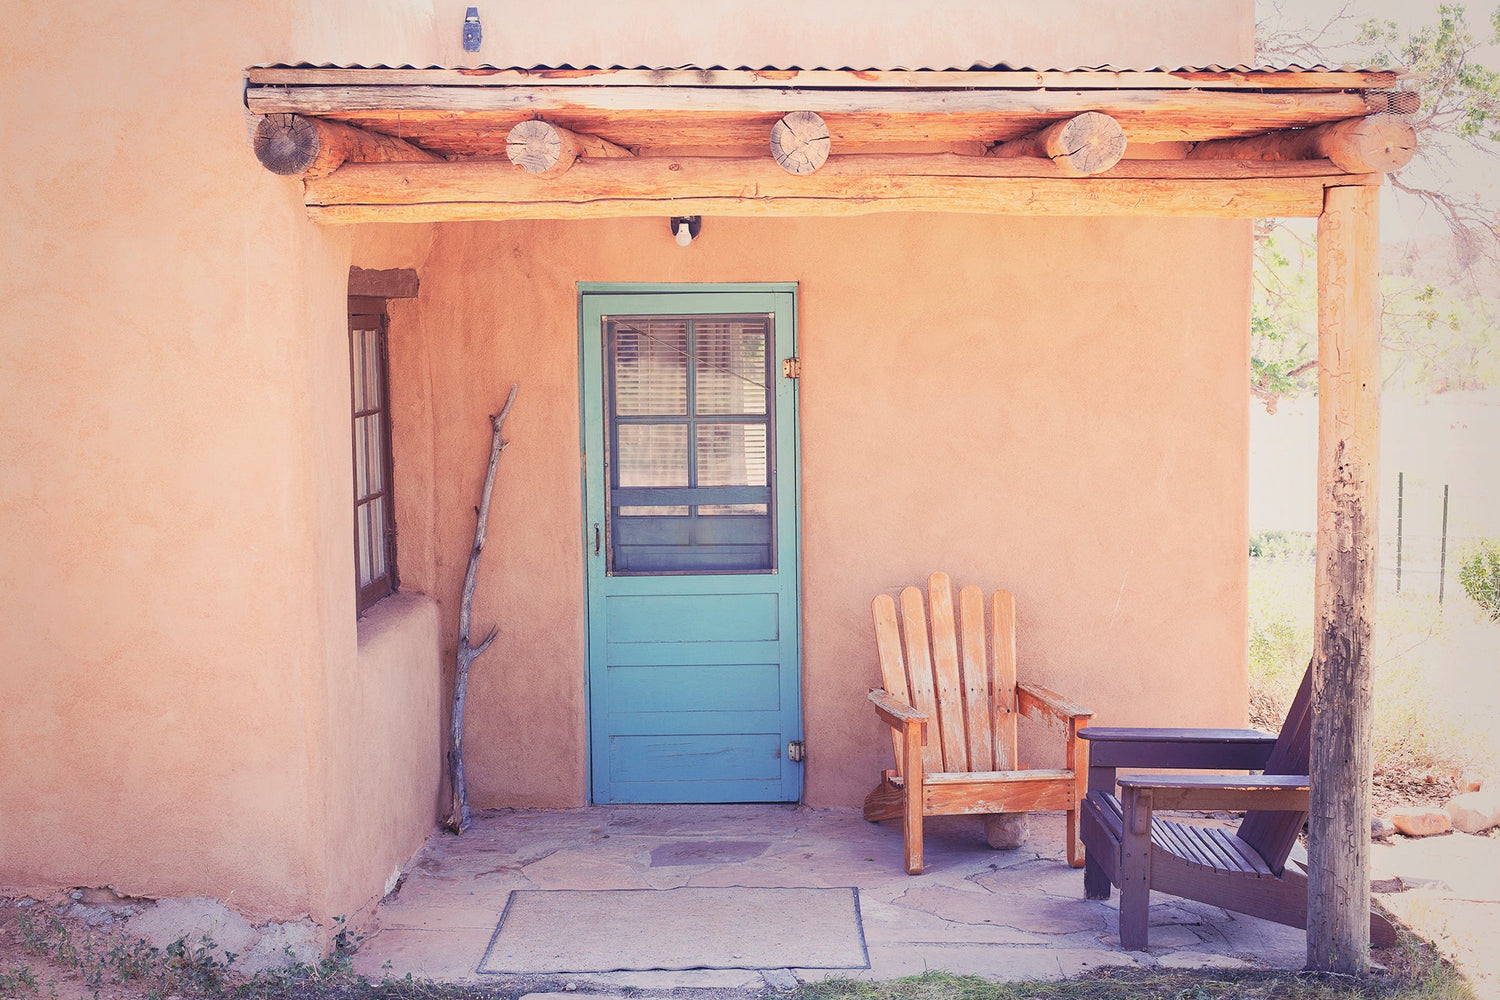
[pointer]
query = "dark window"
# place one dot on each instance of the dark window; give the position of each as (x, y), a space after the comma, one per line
(374, 518)
(690, 439)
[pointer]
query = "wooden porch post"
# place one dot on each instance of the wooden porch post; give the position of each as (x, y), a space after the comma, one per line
(1338, 905)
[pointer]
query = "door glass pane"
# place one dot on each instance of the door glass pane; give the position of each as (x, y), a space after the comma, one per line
(688, 401)
(731, 454)
(652, 455)
(651, 367)
(731, 360)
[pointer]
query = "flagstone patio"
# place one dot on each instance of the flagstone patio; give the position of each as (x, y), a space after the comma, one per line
(1000, 914)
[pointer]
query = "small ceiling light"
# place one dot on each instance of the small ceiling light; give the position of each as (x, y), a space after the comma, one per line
(685, 228)
(473, 30)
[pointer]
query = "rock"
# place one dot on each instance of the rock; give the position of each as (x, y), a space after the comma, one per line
(1470, 781)
(207, 925)
(1006, 831)
(1381, 828)
(1475, 812)
(1421, 822)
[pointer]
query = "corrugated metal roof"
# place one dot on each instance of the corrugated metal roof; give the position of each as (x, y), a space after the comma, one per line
(998, 67)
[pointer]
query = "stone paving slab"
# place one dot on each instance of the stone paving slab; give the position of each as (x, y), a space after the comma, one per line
(1016, 914)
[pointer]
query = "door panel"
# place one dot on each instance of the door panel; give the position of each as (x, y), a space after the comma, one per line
(691, 489)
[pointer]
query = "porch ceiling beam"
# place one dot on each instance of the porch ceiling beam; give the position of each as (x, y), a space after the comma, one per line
(1248, 79)
(546, 149)
(1089, 143)
(1377, 144)
(294, 145)
(847, 185)
(1291, 108)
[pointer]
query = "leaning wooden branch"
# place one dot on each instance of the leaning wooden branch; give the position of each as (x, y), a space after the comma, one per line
(458, 818)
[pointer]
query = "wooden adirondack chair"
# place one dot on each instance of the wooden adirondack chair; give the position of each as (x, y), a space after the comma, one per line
(953, 719)
(1245, 870)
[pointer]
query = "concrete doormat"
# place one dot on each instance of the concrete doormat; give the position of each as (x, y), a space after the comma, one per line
(639, 930)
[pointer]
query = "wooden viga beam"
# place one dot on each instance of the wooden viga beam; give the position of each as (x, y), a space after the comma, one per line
(547, 150)
(1085, 144)
(800, 142)
(1374, 144)
(295, 144)
(846, 185)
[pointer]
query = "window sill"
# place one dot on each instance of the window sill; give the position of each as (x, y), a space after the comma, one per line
(393, 617)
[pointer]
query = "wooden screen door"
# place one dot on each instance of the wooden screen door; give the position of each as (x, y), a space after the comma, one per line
(690, 484)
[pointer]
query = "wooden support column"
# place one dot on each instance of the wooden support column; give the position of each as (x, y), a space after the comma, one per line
(293, 144)
(1338, 904)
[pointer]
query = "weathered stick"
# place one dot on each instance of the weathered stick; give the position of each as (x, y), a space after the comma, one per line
(458, 818)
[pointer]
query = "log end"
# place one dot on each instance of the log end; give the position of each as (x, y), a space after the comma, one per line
(1090, 143)
(1378, 144)
(535, 146)
(800, 142)
(286, 144)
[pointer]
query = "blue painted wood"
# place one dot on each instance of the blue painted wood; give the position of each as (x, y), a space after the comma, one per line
(694, 686)
(708, 687)
(707, 757)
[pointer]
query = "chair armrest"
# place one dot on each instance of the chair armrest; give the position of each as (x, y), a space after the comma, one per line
(896, 713)
(1034, 700)
(1214, 791)
(1228, 749)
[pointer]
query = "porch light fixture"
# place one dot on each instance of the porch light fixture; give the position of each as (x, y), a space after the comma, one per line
(685, 228)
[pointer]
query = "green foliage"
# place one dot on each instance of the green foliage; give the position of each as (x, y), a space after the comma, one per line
(1428, 978)
(1283, 318)
(1278, 544)
(1479, 573)
(1439, 308)
(20, 981)
(1460, 95)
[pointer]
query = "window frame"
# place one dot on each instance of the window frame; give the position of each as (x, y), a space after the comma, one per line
(370, 313)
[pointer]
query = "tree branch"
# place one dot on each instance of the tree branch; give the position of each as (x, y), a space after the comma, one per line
(458, 818)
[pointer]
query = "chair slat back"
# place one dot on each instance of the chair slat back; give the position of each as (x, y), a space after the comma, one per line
(1272, 832)
(1003, 679)
(940, 664)
(892, 661)
(948, 687)
(976, 679)
(919, 674)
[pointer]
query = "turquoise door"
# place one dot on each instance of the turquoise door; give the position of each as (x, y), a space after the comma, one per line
(690, 484)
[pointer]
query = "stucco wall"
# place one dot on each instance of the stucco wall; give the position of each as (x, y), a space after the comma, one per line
(873, 33)
(1053, 406)
(185, 708)
(179, 692)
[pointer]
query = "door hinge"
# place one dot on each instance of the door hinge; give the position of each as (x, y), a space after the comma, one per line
(791, 368)
(796, 751)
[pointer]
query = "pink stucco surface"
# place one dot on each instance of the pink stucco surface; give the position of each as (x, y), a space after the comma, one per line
(187, 704)
(1050, 406)
(184, 707)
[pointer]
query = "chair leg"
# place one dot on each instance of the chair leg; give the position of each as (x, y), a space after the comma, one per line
(1075, 847)
(912, 797)
(911, 833)
(1135, 871)
(1095, 882)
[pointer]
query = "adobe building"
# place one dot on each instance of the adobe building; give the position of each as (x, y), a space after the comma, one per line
(209, 691)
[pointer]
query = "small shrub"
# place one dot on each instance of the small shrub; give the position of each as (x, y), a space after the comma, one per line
(1479, 572)
(20, 981)
(1276, 544)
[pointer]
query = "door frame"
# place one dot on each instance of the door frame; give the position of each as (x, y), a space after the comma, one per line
(787, 465)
